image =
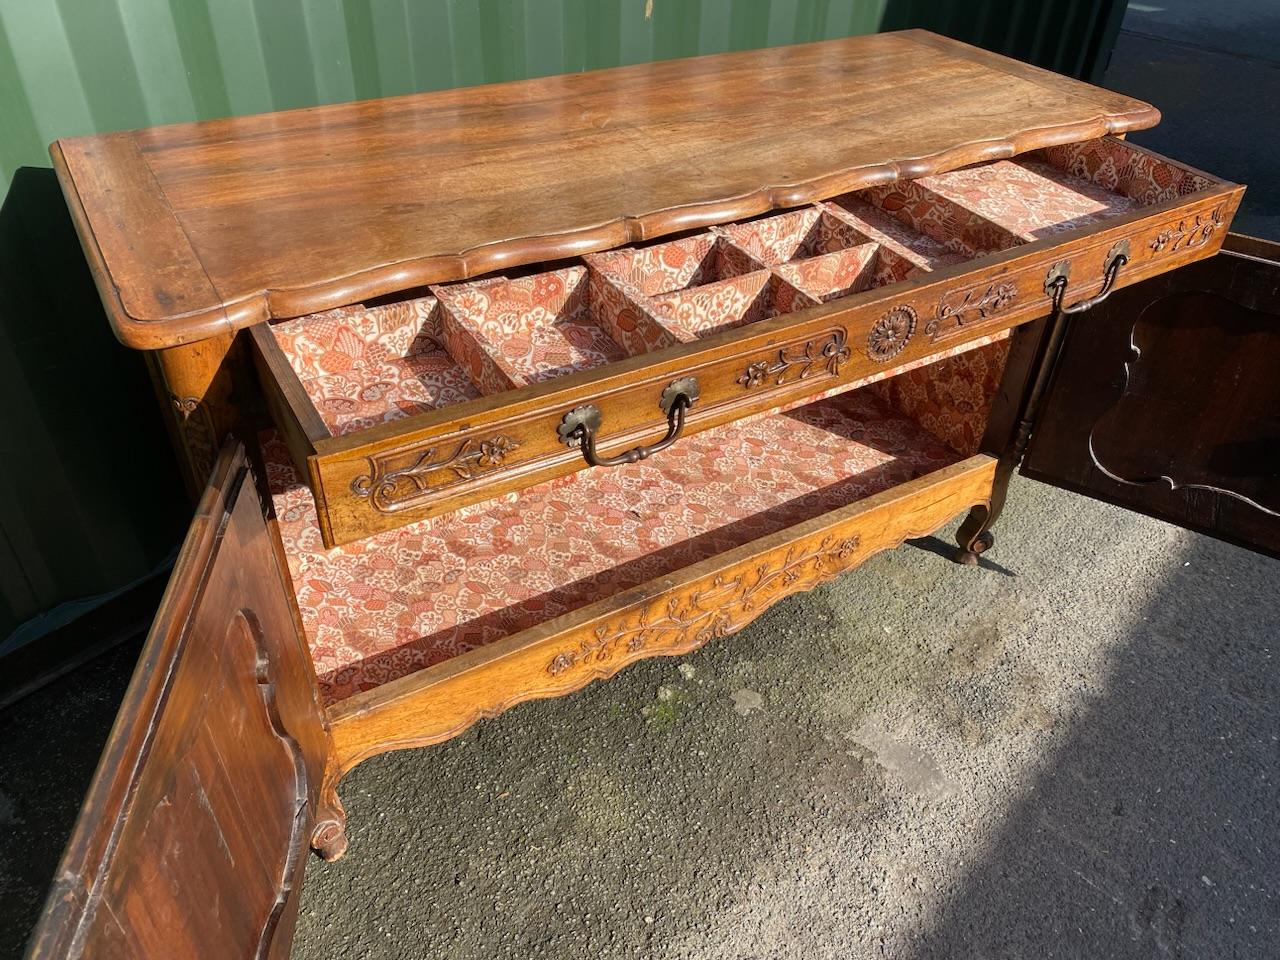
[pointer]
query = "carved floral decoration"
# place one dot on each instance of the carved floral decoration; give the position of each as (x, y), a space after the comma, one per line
(810, 360)
(714, 609)
(1187, 234)
(389, 488)
(976, 305)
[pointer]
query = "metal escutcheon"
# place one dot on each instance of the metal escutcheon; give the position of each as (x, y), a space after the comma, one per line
(1055, 283)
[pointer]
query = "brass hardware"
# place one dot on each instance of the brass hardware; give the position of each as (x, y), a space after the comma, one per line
(579, 426)
(1055, 283)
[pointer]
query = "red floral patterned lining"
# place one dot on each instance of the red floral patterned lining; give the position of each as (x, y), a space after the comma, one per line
(956, 227)
(361, 367)
(1114, 165)
(795, 235)
(952, 397)
(834, 275)
(679, 290)
(399, 601)
(701, 311)
(918, 249)
(1030, 198)
(674, 264)
(510, 333)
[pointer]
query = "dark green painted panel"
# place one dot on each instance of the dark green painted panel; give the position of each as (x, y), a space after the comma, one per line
(88, 498)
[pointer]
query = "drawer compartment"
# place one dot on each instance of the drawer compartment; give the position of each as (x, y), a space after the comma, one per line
(359, 368)
(464, 400)
(508, 333)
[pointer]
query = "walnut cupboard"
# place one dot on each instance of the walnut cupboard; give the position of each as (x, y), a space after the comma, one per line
(487, 393)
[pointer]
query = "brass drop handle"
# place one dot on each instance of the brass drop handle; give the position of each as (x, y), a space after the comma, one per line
(579, 426)
(1055, 284)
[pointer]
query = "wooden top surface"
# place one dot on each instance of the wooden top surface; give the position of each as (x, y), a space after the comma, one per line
(195, 229)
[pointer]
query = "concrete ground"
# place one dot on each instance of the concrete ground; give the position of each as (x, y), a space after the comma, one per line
(1072, 751)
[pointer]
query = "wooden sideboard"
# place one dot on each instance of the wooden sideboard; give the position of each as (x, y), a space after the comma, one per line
(487, 393)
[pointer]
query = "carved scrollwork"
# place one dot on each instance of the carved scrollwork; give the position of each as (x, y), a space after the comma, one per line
(890, 334)
(199, 436)
(1187, 234)
(976, 304)
(714, 609)
(822, 356)
(390, 486)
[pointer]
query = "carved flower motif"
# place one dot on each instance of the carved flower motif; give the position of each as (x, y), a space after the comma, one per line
(890, 333)
(1002, 295)
(493, 452)
(755, 374)
(561, 663)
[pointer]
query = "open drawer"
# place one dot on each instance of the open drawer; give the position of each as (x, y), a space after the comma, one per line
(397, 412)
(464, 615)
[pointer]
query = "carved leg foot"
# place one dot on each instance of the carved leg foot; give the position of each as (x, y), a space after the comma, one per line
(329, 835)
(981, 544)
(974, 536)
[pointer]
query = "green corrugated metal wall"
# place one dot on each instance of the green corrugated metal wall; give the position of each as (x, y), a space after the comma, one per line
(88, 499)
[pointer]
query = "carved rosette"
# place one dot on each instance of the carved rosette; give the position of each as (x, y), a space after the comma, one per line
(714, 608)
(890, 334)
(392, 485)
(822, 356)
(958, 309)
(1188, 233)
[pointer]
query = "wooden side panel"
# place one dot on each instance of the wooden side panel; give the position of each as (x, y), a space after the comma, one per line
(1166, 399)
(190, 842)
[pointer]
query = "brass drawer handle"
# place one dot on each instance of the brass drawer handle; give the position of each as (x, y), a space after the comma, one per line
(1055, 284)
(580, 425)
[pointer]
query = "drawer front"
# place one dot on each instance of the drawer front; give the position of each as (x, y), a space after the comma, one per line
(669, 616)
(432, 463)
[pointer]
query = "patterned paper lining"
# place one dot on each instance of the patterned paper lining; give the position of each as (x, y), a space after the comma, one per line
(387, 606)
(510, 333)
(363, 367)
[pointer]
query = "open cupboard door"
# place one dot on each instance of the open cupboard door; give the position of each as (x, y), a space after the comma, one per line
(1166, 398)
(191, 839)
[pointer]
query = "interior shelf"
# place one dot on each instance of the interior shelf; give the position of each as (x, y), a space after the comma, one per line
(400, 601)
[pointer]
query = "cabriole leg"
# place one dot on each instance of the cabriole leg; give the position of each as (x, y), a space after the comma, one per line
(329, 835)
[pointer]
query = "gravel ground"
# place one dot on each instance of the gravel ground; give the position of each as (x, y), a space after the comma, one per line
(1071, 751)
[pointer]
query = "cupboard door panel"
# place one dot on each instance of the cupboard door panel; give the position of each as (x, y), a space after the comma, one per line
(1166, 399)
(191, 838)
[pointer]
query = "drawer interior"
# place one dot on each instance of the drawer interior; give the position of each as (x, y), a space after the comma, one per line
(409, 598)
(360, 366)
